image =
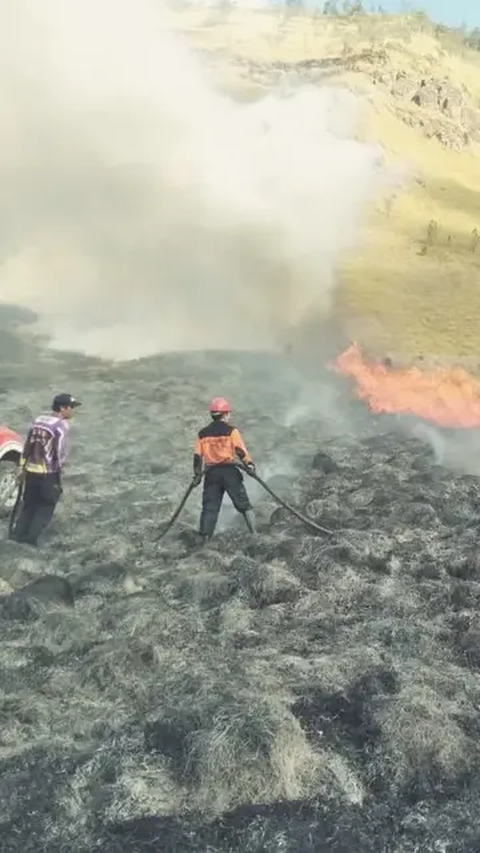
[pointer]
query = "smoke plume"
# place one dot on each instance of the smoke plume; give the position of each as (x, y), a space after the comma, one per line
(142, 211)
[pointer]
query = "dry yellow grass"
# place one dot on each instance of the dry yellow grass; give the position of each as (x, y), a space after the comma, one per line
(393, 296)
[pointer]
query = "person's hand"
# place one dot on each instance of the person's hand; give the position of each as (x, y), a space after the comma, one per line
(250, 468)
(197, 479)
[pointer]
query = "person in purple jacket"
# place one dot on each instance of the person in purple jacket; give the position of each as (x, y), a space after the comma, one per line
(44, 455)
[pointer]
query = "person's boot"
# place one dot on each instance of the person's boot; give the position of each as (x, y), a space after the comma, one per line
(250, 520)
(203, 538)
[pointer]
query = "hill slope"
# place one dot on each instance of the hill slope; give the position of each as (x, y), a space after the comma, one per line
(293, 692)
(411, 288)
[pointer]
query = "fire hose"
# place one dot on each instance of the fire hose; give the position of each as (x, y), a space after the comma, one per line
(304, 518)
(177, 512)
(14, 513)
(255, 476)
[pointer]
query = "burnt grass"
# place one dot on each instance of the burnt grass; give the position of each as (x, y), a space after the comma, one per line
(295, 692)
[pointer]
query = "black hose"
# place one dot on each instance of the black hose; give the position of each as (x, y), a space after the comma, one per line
(255, 476)
(177, 512)
(13, 515)
(304, 518)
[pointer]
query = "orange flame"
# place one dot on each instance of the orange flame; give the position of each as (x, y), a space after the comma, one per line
(450, 398)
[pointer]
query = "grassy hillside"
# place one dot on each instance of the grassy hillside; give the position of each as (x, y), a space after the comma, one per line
(412, 287)
(293, 691)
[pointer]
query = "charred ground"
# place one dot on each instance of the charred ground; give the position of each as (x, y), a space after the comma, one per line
(290, 694)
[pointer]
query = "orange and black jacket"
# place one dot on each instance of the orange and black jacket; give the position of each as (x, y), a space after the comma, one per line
(219, 443)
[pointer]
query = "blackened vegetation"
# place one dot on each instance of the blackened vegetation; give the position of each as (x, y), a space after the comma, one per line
(296, 693)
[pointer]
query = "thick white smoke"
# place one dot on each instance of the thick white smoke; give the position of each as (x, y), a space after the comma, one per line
(143, 212)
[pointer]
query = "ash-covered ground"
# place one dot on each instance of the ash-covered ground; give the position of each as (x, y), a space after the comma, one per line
(289, 693)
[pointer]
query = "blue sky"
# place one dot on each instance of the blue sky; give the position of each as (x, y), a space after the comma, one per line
(452, 12)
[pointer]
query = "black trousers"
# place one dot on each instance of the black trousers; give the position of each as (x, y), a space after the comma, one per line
(218, 480)
(40, 497)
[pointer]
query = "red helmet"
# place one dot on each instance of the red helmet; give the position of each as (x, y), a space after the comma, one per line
(219, 405)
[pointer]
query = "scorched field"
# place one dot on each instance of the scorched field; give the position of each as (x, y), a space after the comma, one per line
(288, 692)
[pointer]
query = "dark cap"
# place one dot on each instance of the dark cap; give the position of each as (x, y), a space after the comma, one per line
(61, 401)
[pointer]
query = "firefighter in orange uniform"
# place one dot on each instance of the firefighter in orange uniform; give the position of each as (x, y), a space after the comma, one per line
(217, 448)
